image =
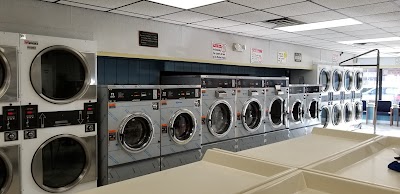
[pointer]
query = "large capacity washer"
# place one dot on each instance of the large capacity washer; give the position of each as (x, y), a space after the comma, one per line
(180, 121)
(58, 96)
(313, 106)
(218, 108)
(297, 110)
(129, 132)
(250, 102)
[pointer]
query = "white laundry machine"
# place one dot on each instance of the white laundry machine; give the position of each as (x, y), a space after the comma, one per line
(320, 74)
(297, 106)
(358, 113)
(325, 115)
(218, 97)
(250, 102)
(58, 114)
(129, 132)
(313, 106)
(180, 125)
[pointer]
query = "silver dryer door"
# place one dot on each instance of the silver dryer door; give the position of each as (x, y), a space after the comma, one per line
(220, 118)
(136, 132)
(64, 161)
(182, 126)
(358, 111)
(8, 74)
(297, 111)
(252, 115)
(325, 79)
(358, 80)
(313, 109)
(337, 80)
(60, 74)
(325, 116)
(9, 170)
(348, 112)
(348, 80)
(337, 114)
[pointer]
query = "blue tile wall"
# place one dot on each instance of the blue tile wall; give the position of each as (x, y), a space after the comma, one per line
(122, 71)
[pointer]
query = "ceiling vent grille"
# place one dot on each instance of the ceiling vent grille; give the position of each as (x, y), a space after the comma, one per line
(282, 22)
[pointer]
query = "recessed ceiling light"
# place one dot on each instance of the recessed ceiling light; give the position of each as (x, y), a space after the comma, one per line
(320, 25)
(186, 4)
(388, 39)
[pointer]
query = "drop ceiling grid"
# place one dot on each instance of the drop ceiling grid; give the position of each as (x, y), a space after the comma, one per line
(245, 17)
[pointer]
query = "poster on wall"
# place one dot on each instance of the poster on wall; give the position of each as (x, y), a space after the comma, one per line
(256, 56)
(335, 58)
(297, 57)
(282, 57)
(219, 51)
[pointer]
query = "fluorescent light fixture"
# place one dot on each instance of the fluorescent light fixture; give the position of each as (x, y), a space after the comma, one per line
(388, 39)
(320, 25)
(186, 4)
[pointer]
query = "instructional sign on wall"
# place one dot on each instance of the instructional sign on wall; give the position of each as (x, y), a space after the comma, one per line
(297, 57)
(256, 56)
(282, 57)
(148, 39)
(335, 58)
(219, 51)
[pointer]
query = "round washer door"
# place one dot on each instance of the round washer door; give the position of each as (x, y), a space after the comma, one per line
(336, 114)
(297, 111)
(359, 80)
(136, 132)
(60, 163)
(5, 74)
(252, 115)
(276, 112)
(182, 126)
(348, 80)
(313, 109)
(60, 74)
(325, 116)
(348, 112)
(5, 173)
(358, 110)
(324, 79)
(337, 80)
(220, 118)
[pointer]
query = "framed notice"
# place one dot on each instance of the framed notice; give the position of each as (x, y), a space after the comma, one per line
(282, 57)
(148, 39)
(297, 57)
(219, 51)
(256, 56)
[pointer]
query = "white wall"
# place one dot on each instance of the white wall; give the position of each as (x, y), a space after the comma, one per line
(118, 35)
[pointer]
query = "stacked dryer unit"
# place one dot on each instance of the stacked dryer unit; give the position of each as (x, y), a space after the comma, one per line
(58, 114)
(357, 95)
(250, 103)
(313, 107)
(338, 97)
(10, 134)
(348, 101)
(276, 109)
(218, 97)
(129, 132)
(297, 110)
(180, 125)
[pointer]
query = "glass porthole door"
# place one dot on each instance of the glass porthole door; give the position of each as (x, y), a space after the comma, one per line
(220, 119)
(182, 126)
(337, 80)
(336, 115)
(324, 80)
(276, 114)
(252, 115)
(136, 132)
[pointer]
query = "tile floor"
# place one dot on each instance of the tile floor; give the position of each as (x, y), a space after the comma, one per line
(381, 129)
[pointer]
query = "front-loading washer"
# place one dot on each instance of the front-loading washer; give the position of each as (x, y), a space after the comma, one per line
(313, 106)
(325, 115)
(180, 108)
(297, 106)
(250, 102)
(129, 131)
(218, 97)
(58, 110)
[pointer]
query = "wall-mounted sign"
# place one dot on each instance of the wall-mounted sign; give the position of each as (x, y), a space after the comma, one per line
(219, 51)
(256, 56)
(282, 57)
(148, 39)
(297, 57)
(335, 58)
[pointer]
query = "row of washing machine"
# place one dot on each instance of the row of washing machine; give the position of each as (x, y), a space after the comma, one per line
(341, 104)
(48, 136)
(145, 129)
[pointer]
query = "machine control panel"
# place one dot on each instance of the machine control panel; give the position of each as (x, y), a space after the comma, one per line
(128, 95)
(11, 121)
(11, 136)
(181, 93)
(90, 110)
(250, 83)
(273, 83)
(313, 89)
(296, 89)
(30, 117)
(218, 83)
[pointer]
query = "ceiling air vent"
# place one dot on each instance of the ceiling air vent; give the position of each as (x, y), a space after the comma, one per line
(282, 22)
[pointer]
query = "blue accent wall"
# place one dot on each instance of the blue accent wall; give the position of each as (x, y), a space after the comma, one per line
(125, 71)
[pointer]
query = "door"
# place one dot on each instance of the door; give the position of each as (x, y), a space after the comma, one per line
(325, 116)
(337, 80)
(182, 126)
(297, 112)
(252, 115)
(336, 114)
(64, 161)
(136, 132)
(313, 109)
(60, 74)
(324, 79)
(348, 112)
(277, 112)
(6, 172)
(348, 80)
(220, 118)
(359, 80)
(358, 111)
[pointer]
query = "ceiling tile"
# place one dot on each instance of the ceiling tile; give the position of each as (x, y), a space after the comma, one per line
(283, 35)
(222, 9)
(319, 17)
(296, 9)
(106, 3)
(50, 0)
(383, 17)
(369, 36)
(198, 26)
(337, 4)
(353, 28)
(263, 4)
(315, 32)
(149, 8)
(188, 17)
(263, 24)
(244, 28)
(218, 23)
(302, 38)
(130, 14)
(168, 21)
(365, 32)
(386, 24)
(344, 38)
(372, 9)
(330, 35)
(264, 32)
(252, 17)
(392, 29)
(83, 5)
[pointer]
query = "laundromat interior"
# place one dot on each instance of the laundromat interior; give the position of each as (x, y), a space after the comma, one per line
(200, 96)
